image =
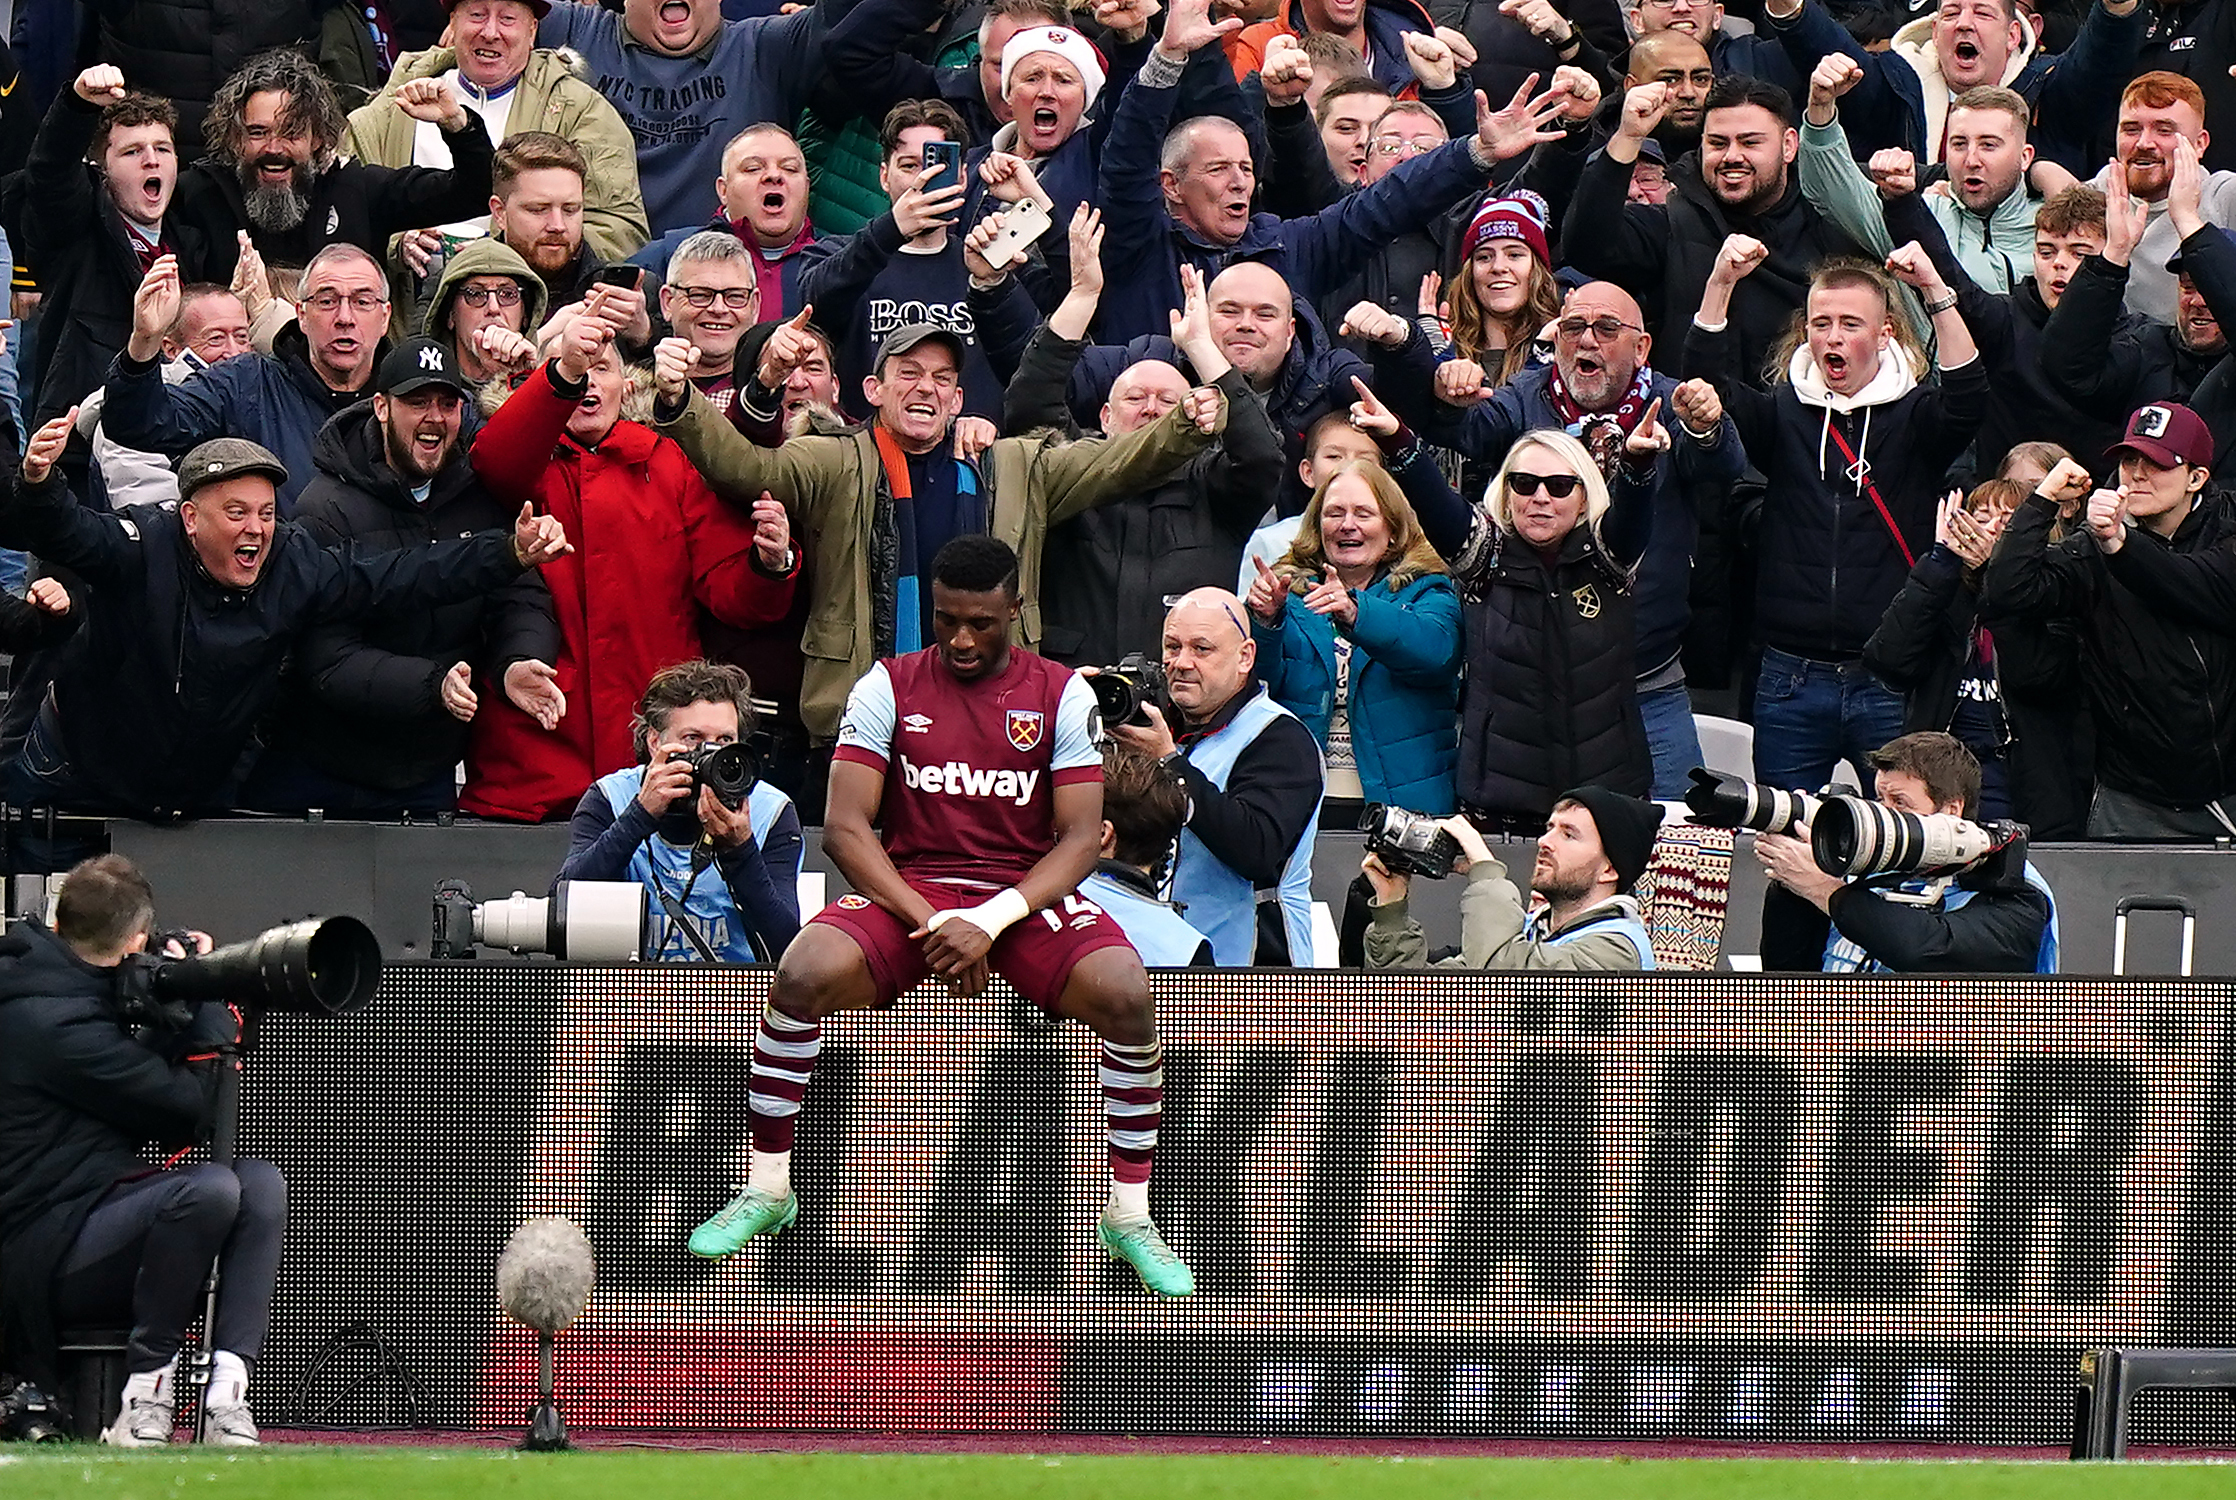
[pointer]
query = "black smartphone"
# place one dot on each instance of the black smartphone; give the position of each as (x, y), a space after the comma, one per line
(947, 157)
(620, 276)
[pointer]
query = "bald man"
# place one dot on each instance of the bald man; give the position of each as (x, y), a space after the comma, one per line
(1597, 388)
(1254, 781)
(1675, 59)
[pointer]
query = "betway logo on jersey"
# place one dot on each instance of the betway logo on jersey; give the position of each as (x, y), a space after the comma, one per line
(954, 779)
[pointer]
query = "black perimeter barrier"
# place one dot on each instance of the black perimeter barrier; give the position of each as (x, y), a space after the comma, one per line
(1718, 1206)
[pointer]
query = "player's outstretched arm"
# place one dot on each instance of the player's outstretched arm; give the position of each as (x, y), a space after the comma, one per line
(852, 843)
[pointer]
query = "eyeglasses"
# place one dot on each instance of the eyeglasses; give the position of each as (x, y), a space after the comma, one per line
(364, 302)
(1405, 147)
(478, 296)
(1606, 328)
(733, 297)
(1559, 486)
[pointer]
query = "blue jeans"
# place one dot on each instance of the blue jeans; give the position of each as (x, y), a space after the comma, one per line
(1672, 737)
(1809, 715)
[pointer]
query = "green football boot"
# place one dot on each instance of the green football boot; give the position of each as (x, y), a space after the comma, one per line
(1137, 1243)
(749, 1215)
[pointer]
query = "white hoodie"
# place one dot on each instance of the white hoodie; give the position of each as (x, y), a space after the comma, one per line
(1896, 377)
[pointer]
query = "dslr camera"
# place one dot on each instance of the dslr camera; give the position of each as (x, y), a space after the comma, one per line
(1858, 836)
(582, 921)
(730, 770)
(1408, 843)
(1121, 692)
(327, 967)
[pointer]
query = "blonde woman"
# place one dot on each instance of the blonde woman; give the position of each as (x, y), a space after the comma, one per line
(1551, 700)
(1358, 631)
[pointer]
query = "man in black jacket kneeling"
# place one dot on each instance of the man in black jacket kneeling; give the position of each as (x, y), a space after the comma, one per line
(90, 1234)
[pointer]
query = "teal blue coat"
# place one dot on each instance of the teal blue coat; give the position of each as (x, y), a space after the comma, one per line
(1405, 684)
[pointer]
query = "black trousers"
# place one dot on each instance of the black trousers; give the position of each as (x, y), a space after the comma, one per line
(145, 1252)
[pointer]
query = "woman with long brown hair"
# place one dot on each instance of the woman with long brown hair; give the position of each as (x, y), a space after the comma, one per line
(1505, 292)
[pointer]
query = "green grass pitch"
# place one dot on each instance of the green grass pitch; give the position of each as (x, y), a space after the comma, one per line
(343, 1473)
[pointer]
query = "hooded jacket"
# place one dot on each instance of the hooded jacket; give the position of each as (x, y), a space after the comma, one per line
(87, 260)
(551, 95)
(1903, 100)
(1662, 256)
(484, 257)
(79, 1096)
(363, 699)
(1386, 23)
(2158, 660)
(652, 545)
(1829, 563)
(157, 694)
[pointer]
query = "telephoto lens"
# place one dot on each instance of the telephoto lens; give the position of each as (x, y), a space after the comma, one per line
(1851, 836)
(1720, 800)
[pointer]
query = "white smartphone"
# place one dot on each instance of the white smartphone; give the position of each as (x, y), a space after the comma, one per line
(1022, 224)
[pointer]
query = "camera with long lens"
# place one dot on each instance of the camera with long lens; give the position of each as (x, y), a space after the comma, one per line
(581, 921)
(30, 1415)
(319, 967)
(1122, 692)
(1408, 843)
(1857, 836)
(728, 770)
(1719, 800)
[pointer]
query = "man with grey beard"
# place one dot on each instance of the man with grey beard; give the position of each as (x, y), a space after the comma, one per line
(272, 169)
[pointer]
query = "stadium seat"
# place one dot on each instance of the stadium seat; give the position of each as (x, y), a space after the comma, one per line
(92, 1368)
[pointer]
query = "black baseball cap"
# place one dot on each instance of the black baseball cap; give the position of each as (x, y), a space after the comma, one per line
(416, 364)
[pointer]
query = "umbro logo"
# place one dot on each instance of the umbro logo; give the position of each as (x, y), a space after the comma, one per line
(917, 723)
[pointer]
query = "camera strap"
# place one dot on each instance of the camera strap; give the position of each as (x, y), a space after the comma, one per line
(673, 906)
(1860, 472)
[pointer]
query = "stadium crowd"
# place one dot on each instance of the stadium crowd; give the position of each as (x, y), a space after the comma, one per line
(1453, 396)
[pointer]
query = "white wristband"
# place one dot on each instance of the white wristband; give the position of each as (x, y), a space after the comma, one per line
(992, 917)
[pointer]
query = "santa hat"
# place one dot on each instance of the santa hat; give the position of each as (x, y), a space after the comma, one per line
(1066, 44)
(1518, 216)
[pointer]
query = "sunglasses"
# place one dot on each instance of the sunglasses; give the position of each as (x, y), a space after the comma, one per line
(1605, 328)
(1559, 486)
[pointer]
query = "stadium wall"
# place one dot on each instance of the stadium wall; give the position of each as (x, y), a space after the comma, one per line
(1747, 1207)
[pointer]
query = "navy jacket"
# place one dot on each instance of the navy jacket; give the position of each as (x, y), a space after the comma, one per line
(1313, 254)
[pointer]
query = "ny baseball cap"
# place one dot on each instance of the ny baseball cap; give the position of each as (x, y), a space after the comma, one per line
(226, 458)
(2168, 434)
(415, 365)
(911, 335)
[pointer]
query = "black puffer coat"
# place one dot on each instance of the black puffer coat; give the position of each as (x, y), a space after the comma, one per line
(362, 701)
(78, 1097)
(1551, 699)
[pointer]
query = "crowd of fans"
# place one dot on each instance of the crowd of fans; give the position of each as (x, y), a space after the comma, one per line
(1512, 379)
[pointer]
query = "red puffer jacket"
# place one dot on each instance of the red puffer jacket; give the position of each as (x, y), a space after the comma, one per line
(650, 539)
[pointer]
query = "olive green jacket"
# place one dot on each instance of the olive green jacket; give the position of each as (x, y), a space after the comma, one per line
(550, 96)
(830, 486)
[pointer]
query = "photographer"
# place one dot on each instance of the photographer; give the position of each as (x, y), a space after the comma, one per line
(90, 1235)
(1595, 846)
(1253, 776)
(1143, 811)
(644, 824)
(1998, 918)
